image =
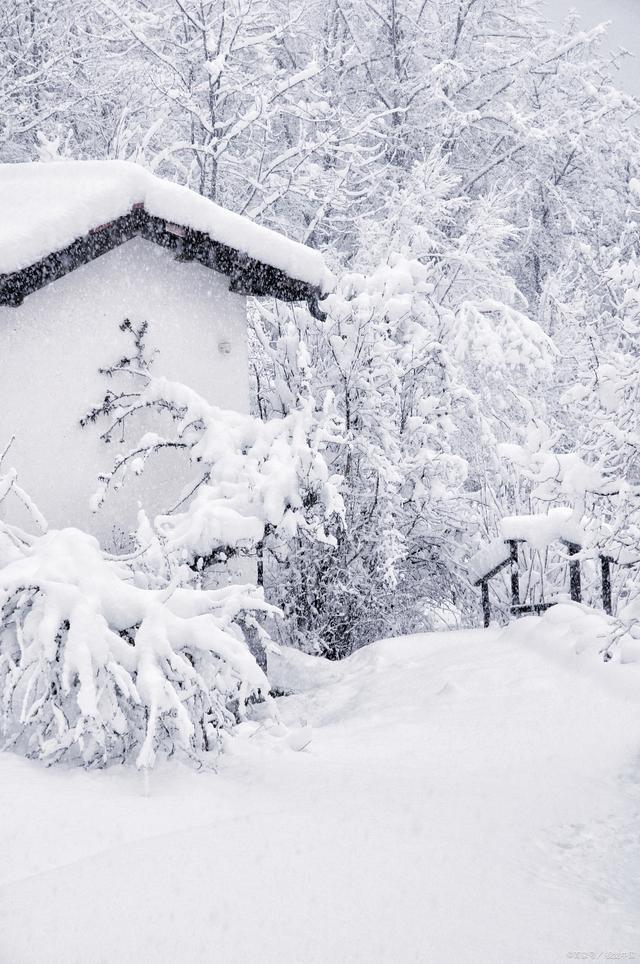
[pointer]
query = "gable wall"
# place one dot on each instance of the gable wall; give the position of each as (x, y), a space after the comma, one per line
(52, 346)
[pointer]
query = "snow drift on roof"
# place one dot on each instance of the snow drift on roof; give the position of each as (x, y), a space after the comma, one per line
(45, 207)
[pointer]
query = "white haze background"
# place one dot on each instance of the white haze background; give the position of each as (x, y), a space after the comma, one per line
(624, 29)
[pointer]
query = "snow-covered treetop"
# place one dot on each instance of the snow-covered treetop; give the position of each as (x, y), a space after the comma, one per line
(46, 207)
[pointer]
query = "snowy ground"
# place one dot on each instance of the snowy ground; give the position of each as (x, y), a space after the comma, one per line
(467, 797)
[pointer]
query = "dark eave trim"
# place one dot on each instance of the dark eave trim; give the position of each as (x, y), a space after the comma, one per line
(246, 275)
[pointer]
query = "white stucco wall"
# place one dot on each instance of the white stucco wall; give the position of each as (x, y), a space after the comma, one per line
(53, 344)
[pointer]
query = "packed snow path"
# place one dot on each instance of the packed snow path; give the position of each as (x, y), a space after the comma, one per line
(467, 797)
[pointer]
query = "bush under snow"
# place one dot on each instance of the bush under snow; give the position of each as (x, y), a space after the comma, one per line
(95, 666)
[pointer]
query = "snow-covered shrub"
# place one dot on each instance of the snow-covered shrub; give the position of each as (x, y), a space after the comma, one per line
(96, 666)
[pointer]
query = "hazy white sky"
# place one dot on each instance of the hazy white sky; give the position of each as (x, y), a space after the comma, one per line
(623, 32)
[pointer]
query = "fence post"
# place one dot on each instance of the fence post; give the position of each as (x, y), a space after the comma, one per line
(486, 608)
(515, 575)
(575, 583)
(605, 565)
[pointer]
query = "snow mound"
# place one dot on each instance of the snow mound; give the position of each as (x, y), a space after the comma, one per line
(580, 640)
(291, 670)
(45, 207)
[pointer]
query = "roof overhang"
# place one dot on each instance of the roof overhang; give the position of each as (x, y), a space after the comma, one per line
(246, 275)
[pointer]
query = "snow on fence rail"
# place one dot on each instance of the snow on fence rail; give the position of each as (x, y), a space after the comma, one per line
(489, 560)
(541, 529)
(538, 531)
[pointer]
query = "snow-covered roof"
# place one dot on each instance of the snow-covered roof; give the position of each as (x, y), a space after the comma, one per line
(45, 207)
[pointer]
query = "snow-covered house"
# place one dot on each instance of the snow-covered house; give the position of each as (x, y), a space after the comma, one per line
(85, 245)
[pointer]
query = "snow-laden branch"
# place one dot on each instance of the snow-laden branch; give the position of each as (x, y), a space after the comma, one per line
(253, 478)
